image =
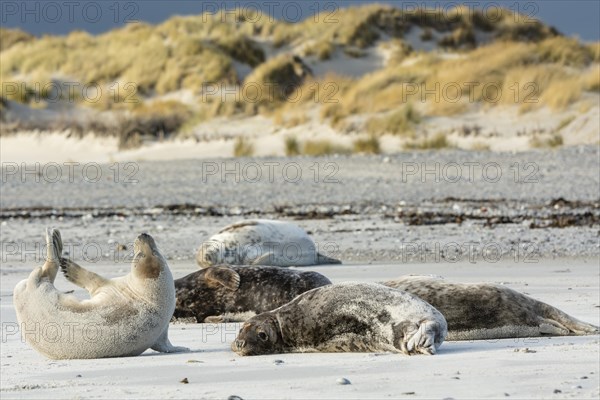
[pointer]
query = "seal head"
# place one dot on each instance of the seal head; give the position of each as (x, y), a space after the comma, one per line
(261, 335)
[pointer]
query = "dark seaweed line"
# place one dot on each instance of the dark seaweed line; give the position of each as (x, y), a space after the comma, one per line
(556, 213)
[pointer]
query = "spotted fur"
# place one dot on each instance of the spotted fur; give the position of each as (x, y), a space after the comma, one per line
(346, 317)
(230, 293)
(261, 242)
(488, 311)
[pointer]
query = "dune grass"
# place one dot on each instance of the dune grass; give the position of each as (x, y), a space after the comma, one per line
(400, 122)
(292, 146)
(551, 141)
(243, 147)
(526, 64)
(318, 148)
(438, 141)
(369, 145)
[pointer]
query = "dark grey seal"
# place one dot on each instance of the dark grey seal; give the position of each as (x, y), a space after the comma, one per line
(235, 293)
(488, 311)
(346, 317)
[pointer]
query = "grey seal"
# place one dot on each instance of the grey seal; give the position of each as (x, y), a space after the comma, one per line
(261, 242)
(233, 293)
(123, 317)
(489, 311)
(345, 317)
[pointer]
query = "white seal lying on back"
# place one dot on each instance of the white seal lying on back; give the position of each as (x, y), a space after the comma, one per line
(261, 242)
(124, 316)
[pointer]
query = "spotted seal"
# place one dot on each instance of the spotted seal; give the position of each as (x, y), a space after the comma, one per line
(345, 317)
(234, 293)
(261, 242)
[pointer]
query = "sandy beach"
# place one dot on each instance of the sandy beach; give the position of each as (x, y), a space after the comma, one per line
(458, 140)
(557, 367)
(540, 238)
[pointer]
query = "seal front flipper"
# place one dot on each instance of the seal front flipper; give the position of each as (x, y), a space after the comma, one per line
(215, 319)
(163, 345)
(229, 317)
(222, 276)
(81, 276)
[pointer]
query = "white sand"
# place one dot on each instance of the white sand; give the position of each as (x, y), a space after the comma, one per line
(483, 369)
(501, 129)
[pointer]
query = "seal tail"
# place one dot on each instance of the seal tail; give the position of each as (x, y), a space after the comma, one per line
(54, 247)
(321, 259)
(573, 325)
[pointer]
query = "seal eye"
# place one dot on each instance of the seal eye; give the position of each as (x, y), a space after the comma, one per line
(262, 336)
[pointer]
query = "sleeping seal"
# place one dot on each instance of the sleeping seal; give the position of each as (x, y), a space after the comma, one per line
(234, 293)
(345, 317)
(487, 311)
(124, 316)
(261, 242)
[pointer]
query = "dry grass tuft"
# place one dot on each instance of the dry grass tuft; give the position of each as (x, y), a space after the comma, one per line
(276, 79)
(10, 37)
(554, 140)
(318, 148)
(439, 141)
(292, 146)
(400, 122)
(243, 147)
(369, 146)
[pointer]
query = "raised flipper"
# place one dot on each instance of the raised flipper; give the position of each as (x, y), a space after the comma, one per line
(163, 345)
(81, 277)
(222, 276)
(54, 247)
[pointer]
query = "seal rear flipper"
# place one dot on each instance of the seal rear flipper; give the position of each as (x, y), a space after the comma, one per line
(163, 345)
(223, 276)
(321, 259)
(54, 247)
(81, 277)
(573, 326)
